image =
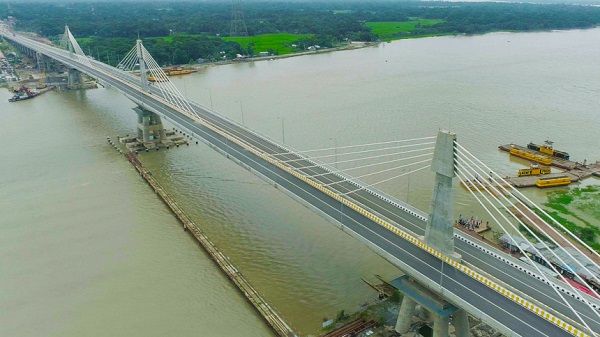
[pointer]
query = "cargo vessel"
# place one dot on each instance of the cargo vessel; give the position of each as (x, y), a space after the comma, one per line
(548, 149)
(545, 160)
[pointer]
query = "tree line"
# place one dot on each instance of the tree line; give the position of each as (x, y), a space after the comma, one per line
(195, 29)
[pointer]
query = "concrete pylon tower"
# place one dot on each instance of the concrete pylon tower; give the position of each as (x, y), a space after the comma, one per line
(65, 42)
(440, 231)
(142, 62)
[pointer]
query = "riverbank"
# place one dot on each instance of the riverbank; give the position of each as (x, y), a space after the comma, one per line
(270, 316)
(349, 46)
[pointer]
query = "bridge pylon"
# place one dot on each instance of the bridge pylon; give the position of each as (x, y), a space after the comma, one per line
(69, 43)
(142, 64)
(439, 232)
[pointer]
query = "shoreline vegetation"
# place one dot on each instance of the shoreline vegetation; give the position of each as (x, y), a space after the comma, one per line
(179, 33)
(578, 209)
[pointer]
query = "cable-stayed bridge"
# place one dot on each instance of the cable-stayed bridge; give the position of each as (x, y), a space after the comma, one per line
(517, 299)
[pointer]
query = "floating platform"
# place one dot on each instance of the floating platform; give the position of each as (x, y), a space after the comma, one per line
(572, 169)
(135, 144)
(530, 181)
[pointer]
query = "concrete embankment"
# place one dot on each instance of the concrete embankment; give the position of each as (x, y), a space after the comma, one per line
(273, 319)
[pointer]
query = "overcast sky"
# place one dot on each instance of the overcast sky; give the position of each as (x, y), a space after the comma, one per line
(199, 1)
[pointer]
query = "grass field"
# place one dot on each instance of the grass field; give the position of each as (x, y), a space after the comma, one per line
(391, 30)
(280, 43)
(578, 209)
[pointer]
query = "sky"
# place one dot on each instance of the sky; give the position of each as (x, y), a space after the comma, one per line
(221, 1)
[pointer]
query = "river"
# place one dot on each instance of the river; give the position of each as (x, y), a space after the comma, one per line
(87, 249)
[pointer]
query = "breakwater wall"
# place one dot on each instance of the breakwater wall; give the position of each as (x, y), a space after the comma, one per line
(269, 315)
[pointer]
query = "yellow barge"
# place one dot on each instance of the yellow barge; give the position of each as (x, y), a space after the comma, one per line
(179, 71)
(172, 72)
(534, 170)
(531, 156)
(552, 182)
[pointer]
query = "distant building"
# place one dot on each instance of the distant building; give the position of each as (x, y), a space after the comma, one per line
(264, 53)
(200, 60)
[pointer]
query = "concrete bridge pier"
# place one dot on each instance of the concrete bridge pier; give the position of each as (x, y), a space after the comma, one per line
(441, 326)
(150, 127)
(405, 314)
(30, 53)
(415, 295)
(41, 66)
(460, 320)
(44, 63)
(74, 79)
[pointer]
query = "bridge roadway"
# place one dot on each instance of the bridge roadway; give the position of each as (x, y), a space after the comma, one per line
(480, 300)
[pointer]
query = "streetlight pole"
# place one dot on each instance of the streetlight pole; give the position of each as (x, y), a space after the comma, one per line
(282, 130)
(335, 151)
(242, 112)
(408, 190)
(211, 101)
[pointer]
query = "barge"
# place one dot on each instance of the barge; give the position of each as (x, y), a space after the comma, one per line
(553, 181)
(538, 158)
(547, 148)
(22, 94)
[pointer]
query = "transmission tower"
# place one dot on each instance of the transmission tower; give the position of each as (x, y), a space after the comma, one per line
(238, 24)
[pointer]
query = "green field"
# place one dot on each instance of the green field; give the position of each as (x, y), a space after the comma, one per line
(278, 43)
(578, 209)
(390, 30)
